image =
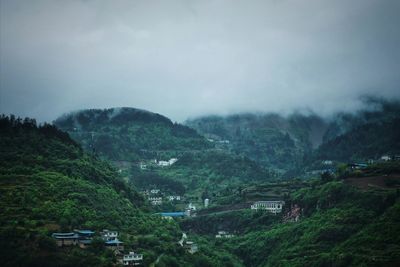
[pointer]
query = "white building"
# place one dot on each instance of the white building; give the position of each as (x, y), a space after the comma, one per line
(155, 200)
(385, 158)
(163, 163)
(143, 166)
(172, 198)
(172, 161)
(108, 235)
(206, 202)
(271, 206)
(155, 191)
(191, 247)
(224, 234)
(132, 259)
(191, 207)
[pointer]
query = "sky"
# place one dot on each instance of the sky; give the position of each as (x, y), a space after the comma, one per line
(190, 58)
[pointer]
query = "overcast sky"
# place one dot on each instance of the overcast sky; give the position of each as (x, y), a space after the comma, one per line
(188, 58)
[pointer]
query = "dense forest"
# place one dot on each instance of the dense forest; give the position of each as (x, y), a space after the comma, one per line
(49, 184)
(128, 134)
(55, 181)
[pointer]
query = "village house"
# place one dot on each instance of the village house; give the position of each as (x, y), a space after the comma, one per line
(172, 198)
(108, 235)
(154, 191)
(206, 202)
(386, 158)
(66, 239)
(163, 163)
(132, 259)
(78, 237)
(191, 207)
(271, 206)
(358, 166)
(142, 166)
(170, 215)
(224, 234)
(155, 200)
(191, 247)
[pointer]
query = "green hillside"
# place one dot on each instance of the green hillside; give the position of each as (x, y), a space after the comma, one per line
(269, 139)
(339, 225)
(49, 184)
(128, 134)
(368, 141)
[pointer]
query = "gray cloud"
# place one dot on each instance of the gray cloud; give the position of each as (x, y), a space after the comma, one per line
(188, 58)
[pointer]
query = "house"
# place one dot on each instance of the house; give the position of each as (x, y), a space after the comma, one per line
(358, 166)
(142, 166)
(327, 162)
(172, 198)
(206, 202)
(191, 207)
(108, 235)
(271, 206)
(66, 239)
(191, 247)
(79, 237)
(163, 163)
(132, 259)
(155, 191)
(172, 161)
(386, 158)
(224, 234)
(155, 200)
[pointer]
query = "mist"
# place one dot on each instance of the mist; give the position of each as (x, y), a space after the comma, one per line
(190, 58)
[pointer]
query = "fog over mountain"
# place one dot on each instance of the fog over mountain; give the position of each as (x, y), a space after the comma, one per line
(190, 58)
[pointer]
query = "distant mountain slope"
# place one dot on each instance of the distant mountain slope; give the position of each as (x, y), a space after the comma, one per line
(129, 134)
(375, 111)
(269, 139)
(207, 173)
(284, 143)
(368, 141)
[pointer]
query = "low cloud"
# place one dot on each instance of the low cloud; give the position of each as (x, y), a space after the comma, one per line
(189, 58)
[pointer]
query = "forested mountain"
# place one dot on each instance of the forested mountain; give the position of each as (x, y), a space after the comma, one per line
(270, 139)
(137, 136)
(287, 143)
(375, 111)
(128, 134)
(49, 184)
(368, 141)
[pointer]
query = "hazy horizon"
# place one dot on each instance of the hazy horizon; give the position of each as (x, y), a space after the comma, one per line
(185, 59)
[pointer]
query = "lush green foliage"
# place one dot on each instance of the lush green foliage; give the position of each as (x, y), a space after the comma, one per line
(205, 174)
(48, 184)
(128, 134)
(340, 226)
(270, 139)
(369, 141)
